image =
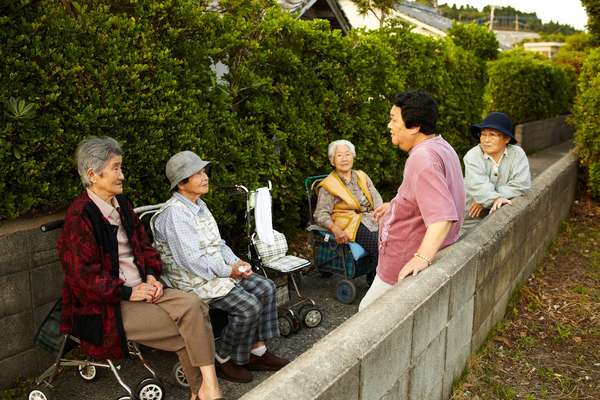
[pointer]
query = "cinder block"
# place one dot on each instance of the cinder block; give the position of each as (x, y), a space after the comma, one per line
(454, 371)
(462, 288)
(384, 363)
(426, 377)
(484, 302)
(503, 278)
(44, 257)
(44, 241)
(345, 387)
(40, 313)
(15, 294)
(15, 252)
(398, 392)
(459, 332)
(17, 334)
(480, 334)
(46, 283)
(430, 319)
(23, 365)
(460, 262)
(500, 306)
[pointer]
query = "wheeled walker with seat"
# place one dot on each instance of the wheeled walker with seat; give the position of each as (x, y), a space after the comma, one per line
(347, 261)
(49, 338)
(273, 262)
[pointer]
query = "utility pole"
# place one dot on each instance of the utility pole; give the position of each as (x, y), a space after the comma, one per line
(516, 23)
(492, 9)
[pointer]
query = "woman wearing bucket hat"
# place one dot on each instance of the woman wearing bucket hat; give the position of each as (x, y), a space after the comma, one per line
(496, 170)
(196, 259)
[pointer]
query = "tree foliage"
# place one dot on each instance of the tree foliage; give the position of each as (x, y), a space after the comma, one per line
(475, 38)
(592, 8)
(528, 87)
(142, 72)
(586, 119)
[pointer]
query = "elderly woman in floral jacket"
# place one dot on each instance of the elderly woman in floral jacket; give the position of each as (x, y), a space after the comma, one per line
(111, 291)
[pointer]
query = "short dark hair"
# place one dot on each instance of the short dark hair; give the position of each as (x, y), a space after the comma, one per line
(417, 108)
(176, 188)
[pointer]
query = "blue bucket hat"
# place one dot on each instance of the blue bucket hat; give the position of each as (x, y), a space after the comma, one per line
(498, 121)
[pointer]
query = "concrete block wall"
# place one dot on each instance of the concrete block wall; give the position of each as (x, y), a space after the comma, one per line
(30, 282)
(538, 135)
(413, 343)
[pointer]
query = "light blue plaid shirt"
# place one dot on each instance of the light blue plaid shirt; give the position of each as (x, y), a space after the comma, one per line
(175, 226)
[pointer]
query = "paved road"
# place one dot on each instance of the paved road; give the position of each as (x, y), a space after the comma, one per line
(71, 387)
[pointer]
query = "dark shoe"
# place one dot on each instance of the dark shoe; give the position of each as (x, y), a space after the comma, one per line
(267, 362)
(232, 372)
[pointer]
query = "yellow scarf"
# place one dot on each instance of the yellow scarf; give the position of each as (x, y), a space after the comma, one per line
(347, 213)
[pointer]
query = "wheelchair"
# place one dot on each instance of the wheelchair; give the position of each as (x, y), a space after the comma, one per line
(285, 270)
(347, 261)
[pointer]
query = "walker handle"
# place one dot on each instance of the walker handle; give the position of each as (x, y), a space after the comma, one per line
(52, 225)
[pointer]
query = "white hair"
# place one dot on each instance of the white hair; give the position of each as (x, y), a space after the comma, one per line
(333, 146)
(94, 153)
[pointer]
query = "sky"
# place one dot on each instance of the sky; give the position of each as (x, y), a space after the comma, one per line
(569, 12)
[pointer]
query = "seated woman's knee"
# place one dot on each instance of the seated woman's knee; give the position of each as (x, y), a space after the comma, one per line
(251, 308)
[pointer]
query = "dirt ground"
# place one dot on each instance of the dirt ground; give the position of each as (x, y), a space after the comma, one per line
(548, 346)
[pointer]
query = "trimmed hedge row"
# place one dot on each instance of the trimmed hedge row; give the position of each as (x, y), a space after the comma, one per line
(586, 118)
(528, 87)
(141, 72)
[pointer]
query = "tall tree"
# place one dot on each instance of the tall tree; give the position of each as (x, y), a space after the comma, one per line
(593, 11)
(379, 8)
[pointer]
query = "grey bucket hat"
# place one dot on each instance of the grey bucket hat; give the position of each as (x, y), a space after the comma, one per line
(183, 165)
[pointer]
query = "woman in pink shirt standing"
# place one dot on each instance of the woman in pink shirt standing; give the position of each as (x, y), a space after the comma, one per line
(427, 212)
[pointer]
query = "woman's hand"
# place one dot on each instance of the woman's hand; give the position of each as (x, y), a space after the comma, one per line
(143, 292)
(475, 210)
(380, 211)
(340, 236)
(240, 269)
(413, 266)
(499, 203)
(151, 280)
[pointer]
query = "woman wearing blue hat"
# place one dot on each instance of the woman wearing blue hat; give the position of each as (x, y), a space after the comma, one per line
(497, 169)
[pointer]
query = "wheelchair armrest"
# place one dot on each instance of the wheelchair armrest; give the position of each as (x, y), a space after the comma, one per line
(316, 228)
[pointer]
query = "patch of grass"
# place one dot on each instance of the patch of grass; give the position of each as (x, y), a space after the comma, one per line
(581, 289)
(18, 391)
(526, 342)
(546, 374)
(564, 332)
(504, 392)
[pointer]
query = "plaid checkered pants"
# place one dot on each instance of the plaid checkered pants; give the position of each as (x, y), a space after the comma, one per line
(252, 315)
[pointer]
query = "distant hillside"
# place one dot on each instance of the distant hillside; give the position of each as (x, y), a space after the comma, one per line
(507, 18)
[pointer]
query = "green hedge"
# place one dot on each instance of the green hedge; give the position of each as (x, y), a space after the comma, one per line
(528, 87)
(140, 72)
(586, 118)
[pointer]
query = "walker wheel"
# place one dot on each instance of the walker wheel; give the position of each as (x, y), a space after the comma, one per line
(179, 375)
(345, 291)
(150, 389)
(87, 372)
(285, 325)
(311, 316)
(40, 393)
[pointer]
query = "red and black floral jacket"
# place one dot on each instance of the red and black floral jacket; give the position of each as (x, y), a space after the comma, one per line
(92, 291)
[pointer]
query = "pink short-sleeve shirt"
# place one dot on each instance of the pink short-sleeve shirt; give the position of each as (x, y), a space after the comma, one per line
(432, 190)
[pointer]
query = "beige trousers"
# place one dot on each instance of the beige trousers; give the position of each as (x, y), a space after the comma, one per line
(177, 322)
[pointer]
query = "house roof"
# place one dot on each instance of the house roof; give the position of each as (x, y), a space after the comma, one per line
(296, 6)
(426, 15)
